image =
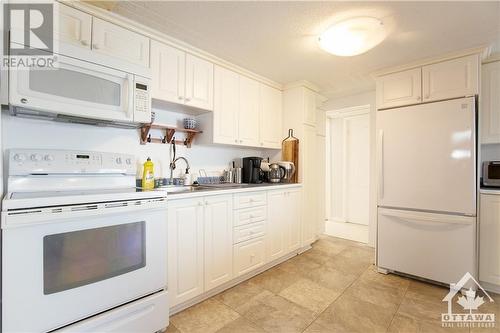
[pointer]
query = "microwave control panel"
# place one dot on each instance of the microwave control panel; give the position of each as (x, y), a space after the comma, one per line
(142, 97)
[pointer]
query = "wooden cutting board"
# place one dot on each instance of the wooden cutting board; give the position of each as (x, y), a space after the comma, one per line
(290, 153)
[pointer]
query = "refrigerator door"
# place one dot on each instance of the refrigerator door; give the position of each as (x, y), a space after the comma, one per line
(438, 247)
(427, 157)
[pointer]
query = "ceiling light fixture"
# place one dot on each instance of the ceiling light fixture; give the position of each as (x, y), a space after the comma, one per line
(353, 36)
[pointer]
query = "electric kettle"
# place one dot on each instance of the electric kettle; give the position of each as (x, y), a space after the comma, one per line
(289, 168)
(276, 173)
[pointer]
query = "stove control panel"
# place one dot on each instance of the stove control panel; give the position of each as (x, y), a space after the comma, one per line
(39, 161)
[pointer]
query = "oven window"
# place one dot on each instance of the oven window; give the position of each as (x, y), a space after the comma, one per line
(75, 85)
(494, 171)
(77, 258)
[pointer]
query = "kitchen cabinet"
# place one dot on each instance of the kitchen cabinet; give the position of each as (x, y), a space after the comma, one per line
(199, 83)
(489, 239)
(276, 231)
(185, 249)
(310, 107)
(168, 72)
(310, 188)
(75, 27)
(489, 115)
(248, 120)
(249, 256)
(293, 210)
(398, 89)
(226, 105)
(112, 40)
(451, 79)
(270, 114)
(218, 223)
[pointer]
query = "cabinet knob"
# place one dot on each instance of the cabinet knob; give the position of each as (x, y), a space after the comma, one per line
(180, 98)
(426, 96)
(188, 99)
(235, 140)
(84, 42)
(241, 141)
(419, 98)
(95, 46)
(200, 203)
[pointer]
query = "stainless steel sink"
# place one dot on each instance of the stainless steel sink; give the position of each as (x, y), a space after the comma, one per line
(183, 189)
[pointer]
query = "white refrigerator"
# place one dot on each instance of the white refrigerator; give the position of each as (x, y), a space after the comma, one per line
(427, 190)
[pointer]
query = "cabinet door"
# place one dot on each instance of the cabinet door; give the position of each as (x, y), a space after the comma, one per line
(270, 117)
(74, 27)
(185, 250)
(451, 79)
(489, 239)
(293, 215)
(249, 255)
(309, 206)
(168, 66)
(112, 40)
(276, 226)
(397, 89)
(248, 124)
(199, 83)
(218, 240)
(490, 103)
(309, 107)
(226, 105)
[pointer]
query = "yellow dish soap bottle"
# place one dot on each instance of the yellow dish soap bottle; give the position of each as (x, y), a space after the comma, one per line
(148, 176)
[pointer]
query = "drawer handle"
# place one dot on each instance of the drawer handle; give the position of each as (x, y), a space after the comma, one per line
(251, 200)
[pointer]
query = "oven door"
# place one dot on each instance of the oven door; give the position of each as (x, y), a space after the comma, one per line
(60, 270)
(76, 88)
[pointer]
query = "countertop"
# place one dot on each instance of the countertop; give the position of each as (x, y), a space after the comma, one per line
(212, 190)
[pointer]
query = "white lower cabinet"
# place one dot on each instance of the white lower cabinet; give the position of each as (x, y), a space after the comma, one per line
(249, 255)
(293, 214)
(185, 250)
(489, 239)
(218, 233)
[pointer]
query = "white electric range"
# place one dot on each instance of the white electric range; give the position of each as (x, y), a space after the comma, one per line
(82, 249)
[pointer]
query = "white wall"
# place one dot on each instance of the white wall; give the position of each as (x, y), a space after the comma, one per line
(490, 152)
(29, 133)
(366, 98)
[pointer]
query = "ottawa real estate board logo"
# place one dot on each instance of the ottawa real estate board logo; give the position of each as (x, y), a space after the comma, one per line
(467, 312)
(28, 35)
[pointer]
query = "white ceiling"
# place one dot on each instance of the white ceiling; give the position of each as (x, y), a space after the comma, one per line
(278, 39)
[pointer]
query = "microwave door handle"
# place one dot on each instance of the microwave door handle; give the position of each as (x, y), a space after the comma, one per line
(495, 163)
(128, 95)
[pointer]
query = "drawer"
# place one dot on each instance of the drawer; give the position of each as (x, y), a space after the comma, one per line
(249, 215)
(248, 256)
(249, 231)
(248, 200)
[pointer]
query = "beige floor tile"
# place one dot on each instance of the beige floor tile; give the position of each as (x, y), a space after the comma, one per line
(422, 308)
(349, 314)
(243, 295)
(317, 328)
(331, 278)
(298, 265)
(341, 241)
(241, 325)
(377, 294)
(389, 280)
(426, 291)
(355, 266)
(328, 247)
(277, 314)
(172, 329)
(364, 253)
(206, 317)
(310, 295)
(403, 324)
(275, 279)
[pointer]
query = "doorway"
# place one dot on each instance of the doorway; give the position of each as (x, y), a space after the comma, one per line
(348, 155)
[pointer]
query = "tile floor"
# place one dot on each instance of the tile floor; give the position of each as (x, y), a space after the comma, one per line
(333, 287)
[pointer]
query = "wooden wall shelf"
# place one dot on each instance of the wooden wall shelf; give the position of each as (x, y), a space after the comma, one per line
(169, 134)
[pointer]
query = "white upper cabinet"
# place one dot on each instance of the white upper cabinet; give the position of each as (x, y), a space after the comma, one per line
(168, 69)
(451, 79)
(398, 89)
(75, 27)
(112, 40)
(226, 106)
(248, 128)
(490, 103)
(276, 227)
(270, 117)
(199, 83)
(309, 107)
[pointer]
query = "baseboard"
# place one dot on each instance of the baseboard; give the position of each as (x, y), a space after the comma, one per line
(490, 287)
(351, 231)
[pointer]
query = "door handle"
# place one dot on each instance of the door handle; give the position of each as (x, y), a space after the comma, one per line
(128, 95)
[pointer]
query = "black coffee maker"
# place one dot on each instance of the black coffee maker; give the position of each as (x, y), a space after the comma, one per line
(251, 170)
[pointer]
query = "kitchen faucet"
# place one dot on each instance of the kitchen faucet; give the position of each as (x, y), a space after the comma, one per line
(173, 166)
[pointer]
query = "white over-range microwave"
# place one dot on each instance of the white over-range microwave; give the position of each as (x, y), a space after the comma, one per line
(81, 91)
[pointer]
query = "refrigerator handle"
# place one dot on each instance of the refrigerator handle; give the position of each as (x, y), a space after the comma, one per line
(381, 164)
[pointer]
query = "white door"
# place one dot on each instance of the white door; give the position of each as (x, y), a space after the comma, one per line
(226, 106)
(292, 212)
(75, 26)
(112, 40)
(398, 89)
(451, 79)
(433, 246)
(249, 255)
(270, 117)
(357, 168)
(490, 103)
(185, 250)
(199, 83)
(248, 124)
(489, 239)
(218, 232)
(168, 66)
(276, 226)
(426, 157)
